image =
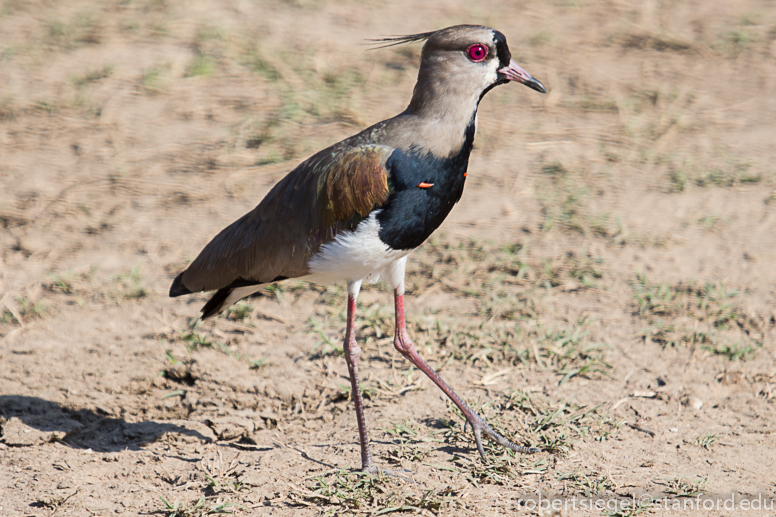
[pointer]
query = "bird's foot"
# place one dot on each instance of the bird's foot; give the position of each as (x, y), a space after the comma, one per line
(480, 427)
(370, 469)
(374, 471)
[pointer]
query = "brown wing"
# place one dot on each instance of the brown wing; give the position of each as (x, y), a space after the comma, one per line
(332, 191)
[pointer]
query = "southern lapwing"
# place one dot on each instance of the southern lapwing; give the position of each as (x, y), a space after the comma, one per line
(354, 211)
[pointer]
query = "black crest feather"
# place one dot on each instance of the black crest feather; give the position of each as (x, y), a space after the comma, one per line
(400, 40)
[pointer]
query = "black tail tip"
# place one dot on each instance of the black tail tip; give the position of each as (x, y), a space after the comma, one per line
(177, 288)
(216, 303)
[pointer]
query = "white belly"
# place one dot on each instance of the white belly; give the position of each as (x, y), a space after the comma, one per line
(354, 256)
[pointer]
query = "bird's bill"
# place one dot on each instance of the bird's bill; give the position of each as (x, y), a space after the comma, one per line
(515, 72)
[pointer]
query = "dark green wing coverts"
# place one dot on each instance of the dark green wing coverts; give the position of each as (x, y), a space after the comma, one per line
(330, 192)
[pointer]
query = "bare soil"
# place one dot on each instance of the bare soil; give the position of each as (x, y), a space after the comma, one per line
(605, 290)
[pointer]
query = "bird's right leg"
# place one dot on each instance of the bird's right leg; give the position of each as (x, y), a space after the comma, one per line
(352, 354)
(406, 347)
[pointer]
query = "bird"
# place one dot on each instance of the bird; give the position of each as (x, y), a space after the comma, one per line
(354, 211)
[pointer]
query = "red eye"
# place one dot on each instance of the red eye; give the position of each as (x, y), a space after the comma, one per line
(477, 52)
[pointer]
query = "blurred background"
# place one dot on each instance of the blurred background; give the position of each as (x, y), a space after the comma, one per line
(615, 246)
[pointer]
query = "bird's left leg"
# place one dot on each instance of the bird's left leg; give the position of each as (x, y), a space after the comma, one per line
(352, 354)
(406, 347)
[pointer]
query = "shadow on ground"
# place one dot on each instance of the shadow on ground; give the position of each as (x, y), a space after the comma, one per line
(29, 421)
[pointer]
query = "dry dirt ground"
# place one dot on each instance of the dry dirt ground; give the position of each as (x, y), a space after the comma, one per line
(604, 291)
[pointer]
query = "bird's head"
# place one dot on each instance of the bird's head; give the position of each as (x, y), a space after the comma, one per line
(474, 55)
(464, 60)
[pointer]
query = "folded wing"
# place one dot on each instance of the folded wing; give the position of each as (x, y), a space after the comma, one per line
(330, 192)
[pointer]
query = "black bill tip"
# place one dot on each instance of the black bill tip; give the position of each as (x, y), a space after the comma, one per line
(535, 85)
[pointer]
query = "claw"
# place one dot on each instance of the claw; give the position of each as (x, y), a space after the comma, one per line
(478, 441)
(386, 472)
(481, 426)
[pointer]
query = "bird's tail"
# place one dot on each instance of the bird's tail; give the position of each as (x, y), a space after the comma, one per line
(226, 297)
(217, 303)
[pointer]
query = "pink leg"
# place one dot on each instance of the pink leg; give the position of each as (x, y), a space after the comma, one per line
(352, 354)
(404, 344)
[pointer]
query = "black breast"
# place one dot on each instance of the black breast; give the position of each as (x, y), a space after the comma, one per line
(413, 212)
